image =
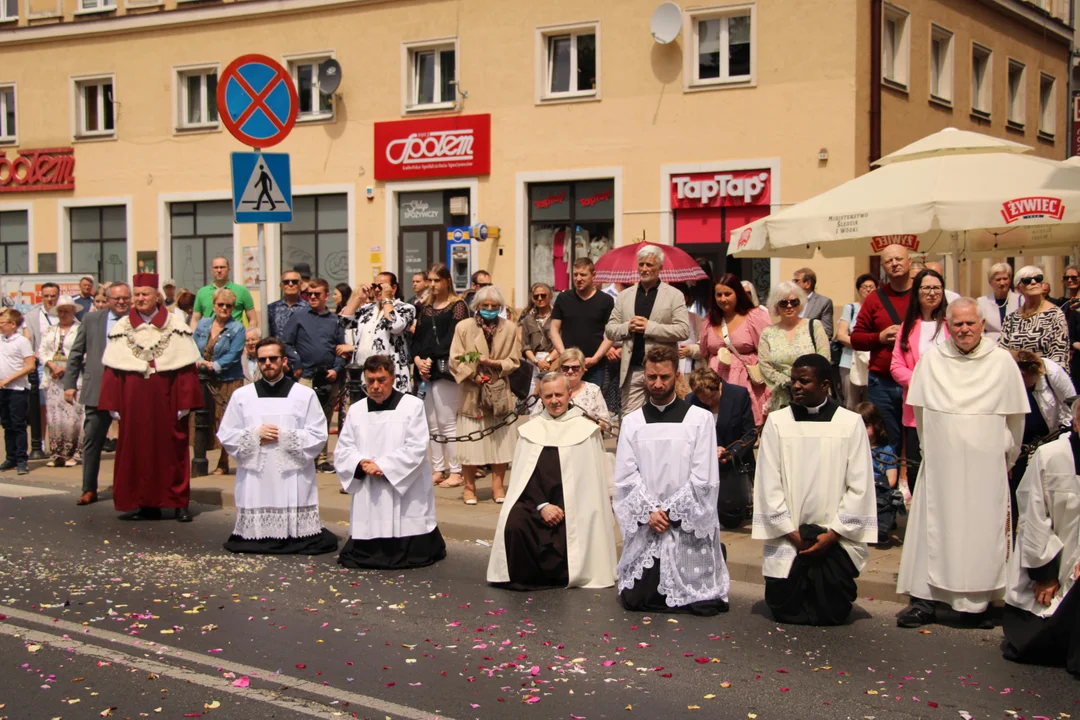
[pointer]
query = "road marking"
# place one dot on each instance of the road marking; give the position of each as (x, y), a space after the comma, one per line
(20, 491)
(217, 664)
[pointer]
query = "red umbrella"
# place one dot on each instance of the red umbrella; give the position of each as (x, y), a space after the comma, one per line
(620, 265)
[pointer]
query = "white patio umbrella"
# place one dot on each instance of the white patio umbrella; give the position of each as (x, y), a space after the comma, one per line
(954, 192)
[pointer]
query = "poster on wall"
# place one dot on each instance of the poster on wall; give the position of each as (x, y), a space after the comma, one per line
(251, 267)
(22, 292)
(146, 261)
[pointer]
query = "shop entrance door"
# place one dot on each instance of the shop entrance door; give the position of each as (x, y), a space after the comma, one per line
(421, 247)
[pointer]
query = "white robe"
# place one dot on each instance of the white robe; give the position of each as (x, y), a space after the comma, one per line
(673, 466)
(1049, 502)
(817, 473)
(401, 503)
(276, 492)
(590, 529)
(969, 412)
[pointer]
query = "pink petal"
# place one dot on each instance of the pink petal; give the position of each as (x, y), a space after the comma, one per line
(242, 682)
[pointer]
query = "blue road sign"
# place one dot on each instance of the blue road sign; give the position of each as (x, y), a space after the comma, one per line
(262, 187)
(258, 100)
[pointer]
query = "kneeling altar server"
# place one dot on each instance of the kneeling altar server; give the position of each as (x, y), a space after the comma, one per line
(382, 461)
(556, 528)
(275, 428)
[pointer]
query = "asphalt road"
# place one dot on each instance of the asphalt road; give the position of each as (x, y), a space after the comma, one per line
(104, 618)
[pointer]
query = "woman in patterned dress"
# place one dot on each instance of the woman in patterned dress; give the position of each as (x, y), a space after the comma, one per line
(1037, 325)
(65, 420)
(380, 327)
(790, 338)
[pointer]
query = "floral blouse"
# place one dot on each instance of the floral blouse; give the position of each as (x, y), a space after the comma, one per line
(776, 354)
(389, 336)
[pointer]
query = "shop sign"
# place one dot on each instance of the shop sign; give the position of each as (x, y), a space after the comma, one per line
(552, 199)
(420, 209)
(595, 200)
(880, 242)
(38, 170)
(1032, 207)
(725, 189)
(433, 147)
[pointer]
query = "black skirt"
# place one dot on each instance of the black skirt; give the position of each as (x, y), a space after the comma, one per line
(1053, 640)
(320, 544)
(645, 596)
(817, 591)
(413, 551)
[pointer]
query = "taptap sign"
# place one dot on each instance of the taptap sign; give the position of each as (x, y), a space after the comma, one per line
(258, 100)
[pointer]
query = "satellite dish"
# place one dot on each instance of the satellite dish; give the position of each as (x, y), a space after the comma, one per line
(329, 76)
(666, 23)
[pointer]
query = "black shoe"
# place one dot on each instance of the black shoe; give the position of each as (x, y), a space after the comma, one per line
(979, 621)
(109, 446)
(915, 616)
(23, 469)
(183, 515)
(145, 513)
(883, 538)
(326, 467)
(7, 465)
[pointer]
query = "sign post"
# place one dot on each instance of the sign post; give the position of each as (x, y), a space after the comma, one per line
(260, 106)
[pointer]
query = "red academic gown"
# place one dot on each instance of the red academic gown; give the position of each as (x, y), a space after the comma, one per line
(151, 468)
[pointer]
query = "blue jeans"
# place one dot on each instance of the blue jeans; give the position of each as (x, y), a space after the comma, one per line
(888, 396)
(595, 374)
(13, 408)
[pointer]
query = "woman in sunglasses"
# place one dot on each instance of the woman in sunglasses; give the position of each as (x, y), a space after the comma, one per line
(535, 325)
(789, 338)
(584, 395)
(220, 340)
(1038, 325)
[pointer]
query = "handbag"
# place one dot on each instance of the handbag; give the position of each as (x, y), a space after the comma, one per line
(440, 367)
(494, 395)
(752, 370)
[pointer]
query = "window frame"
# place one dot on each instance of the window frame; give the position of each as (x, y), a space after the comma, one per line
(79, 84)
(5, 137)
(947, 72)
(986, 87)
(171, 214)
(409, 85)
(691, 19)
(101, 239)
(1050, 108)
(180, 97)
(315, 232)
(1016, 120)
(5, 246)
(4, 17)
(292, 64)
(902, 58)
(543, 62)
(96, 6)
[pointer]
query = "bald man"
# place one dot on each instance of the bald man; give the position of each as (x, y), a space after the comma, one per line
(940, 270)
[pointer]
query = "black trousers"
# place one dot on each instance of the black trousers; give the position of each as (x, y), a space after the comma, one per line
(95, 429)
(14, 406)
(913, 453)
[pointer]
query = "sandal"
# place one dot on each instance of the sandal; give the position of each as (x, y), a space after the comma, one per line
(437, 478)
(455, 480)
(498, 495)
(469, 496)
(220, 471)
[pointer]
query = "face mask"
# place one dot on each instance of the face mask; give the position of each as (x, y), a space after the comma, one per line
(489, 314)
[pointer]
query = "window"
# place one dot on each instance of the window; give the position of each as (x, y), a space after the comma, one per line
(432, 76)
(941, 64)
(1016, 94)
(14, 242)
(568, 220)
(1047, 106)
(7, 113)
(570, 68)
(9, 9)
(94, 103)
(89, 5)
(199, 231)
(722, 46)
(314, 105)
(99, 242)
(982, 88)
(318, 236)
(895, 46)
(197, 106)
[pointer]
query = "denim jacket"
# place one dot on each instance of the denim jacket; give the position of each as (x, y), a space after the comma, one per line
(227, 350)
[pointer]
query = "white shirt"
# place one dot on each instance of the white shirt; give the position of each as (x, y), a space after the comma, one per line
(13, 353)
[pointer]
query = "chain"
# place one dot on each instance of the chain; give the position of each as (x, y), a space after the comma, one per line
(524, 407)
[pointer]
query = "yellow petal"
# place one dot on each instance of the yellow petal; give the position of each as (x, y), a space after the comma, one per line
(710, 696)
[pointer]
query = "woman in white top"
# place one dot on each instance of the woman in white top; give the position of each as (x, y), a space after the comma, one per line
(65, 420)
(852, 394)
(584, 395)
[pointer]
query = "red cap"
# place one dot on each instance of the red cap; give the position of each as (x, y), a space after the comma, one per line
(145, 280)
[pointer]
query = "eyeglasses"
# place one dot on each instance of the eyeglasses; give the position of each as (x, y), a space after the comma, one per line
(571, 369)
(793, 303)
(933, 290)
(1030, 280)
(540, 296)
(1028, 366)
(274, 358)
(1070, 278)
(290, 282)
(224, 305)
(483, 285)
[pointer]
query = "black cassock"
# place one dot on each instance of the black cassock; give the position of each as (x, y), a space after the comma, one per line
(817, 591)
(536, 552)
(1053, 640)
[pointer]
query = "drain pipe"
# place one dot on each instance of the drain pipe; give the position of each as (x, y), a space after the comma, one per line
(875, 81)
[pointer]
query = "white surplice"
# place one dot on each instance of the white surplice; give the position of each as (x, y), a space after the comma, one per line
(590, 538)
(276, 492)
(401, 503)
(969, 412)
(817, 473)
(672, 466)
(1049, 502)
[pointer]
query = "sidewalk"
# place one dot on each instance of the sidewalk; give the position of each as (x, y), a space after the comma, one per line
(460, 522)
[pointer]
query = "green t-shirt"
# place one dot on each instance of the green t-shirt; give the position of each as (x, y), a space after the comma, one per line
(204, 301)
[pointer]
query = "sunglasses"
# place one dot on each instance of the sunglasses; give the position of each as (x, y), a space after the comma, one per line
(315, 294)
(224, 305)
(275, 358)
(1030, 280)
(1070, 278)
(540, 296)
(571, 369)
(290, 282)
(483, 285)
(789, 303)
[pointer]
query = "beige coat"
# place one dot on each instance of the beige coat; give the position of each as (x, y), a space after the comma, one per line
(668, 323)
(506, 348)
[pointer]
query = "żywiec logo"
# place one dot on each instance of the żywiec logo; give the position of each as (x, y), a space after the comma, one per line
(1032, 207)
(744, 238)
(880, 242)
(430, 147)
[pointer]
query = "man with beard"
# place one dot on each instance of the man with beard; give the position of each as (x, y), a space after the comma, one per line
(814, 504)
(666, 484)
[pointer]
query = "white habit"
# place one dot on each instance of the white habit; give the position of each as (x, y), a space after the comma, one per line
(666, 459)
(969, 413)
(589, 526)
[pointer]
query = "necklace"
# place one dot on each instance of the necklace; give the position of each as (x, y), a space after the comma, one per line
(1029, 315)
(1002, 302)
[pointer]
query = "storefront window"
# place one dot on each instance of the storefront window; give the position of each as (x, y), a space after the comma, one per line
(14, 242)
(567, 221)
(99, 242)
(318, 236)
(199, 232)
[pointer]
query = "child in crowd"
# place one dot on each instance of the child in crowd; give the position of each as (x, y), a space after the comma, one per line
(890, 500)
(16, 362)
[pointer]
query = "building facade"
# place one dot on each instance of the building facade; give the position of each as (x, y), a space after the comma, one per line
(562, 126)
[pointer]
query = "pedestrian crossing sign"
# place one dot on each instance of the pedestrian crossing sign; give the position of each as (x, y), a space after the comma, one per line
(262, 187)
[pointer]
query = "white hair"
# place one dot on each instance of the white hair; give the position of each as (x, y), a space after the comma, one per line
(782, 290)
(751, 291)
(650, 251)
(553, 376)
(1026, 272)
(488, 294)
(1001, 268)
(964, 302)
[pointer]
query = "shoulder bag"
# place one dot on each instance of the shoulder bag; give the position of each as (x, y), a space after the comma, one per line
(440, 367)
(752, 370)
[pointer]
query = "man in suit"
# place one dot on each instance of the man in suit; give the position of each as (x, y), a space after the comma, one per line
(85, 360)
(646, 314)
(818, 307)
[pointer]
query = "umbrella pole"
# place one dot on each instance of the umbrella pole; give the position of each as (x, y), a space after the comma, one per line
(952, 281)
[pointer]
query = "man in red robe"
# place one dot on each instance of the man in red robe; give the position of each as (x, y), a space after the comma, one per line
(150, 382)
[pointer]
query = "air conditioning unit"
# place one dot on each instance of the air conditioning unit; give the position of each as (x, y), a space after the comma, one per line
(459, 206)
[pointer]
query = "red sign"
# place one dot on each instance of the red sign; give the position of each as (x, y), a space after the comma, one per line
(594, 199)
(433, 147)
(721, 189)
(1032, 207)
(33, 170)
(258, 100)
(880, 242)
(554, 199)
(744, 237)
